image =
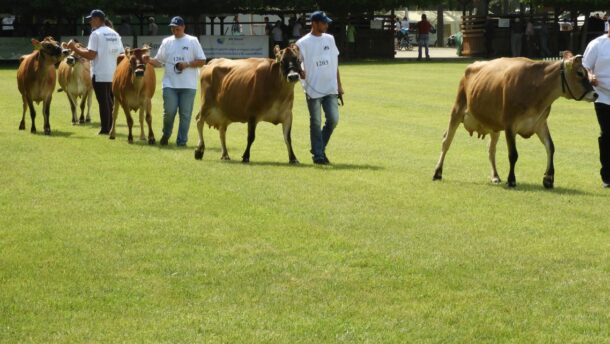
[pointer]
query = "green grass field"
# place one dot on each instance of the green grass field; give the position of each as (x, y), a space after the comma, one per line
(102, 241)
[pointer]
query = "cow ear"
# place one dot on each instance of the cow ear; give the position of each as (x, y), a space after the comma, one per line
(64, 45)
(36, 43)
(567, 55)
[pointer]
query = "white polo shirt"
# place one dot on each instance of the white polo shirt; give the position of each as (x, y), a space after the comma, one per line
(184, 49)
(597, 59)
(108, 45)
(320, 58)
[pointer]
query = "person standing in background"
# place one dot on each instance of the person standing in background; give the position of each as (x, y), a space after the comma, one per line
(516, 37)
(152, 27)
(423, 35)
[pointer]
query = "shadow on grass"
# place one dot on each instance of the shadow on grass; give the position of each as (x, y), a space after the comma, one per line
(342, 166)
(525, 187)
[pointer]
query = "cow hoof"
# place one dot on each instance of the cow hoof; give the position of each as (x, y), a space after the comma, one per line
(111, 137)
(294, 162)
(548, 182)
(130, 140)
(47, 131)
(496, 180)
(22, 125)
(225, 157)
(88, 120)
(81, 121)
(438, 175)
(151, 141)
(245, 160)
(33, 130)
(511, 183)
(198, 154)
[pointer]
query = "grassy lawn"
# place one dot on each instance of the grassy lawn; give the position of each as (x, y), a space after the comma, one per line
(102, 241)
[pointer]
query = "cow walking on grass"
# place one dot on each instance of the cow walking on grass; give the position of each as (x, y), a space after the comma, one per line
(36, 79)
(250, 91)
(75, 80)
(514, 95)
(133, 87)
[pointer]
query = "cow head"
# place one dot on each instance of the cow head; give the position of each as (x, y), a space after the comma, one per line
(575, 82)
(73, 58)
(289, 61)
(137, 65)
(50, 48)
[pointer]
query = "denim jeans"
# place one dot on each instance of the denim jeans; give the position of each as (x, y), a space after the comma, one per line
(321, 136)
(178, 100)
(422, 41)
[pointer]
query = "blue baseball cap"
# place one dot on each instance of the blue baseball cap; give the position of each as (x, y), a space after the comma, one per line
(320, 16)
(96, 13)
(176, 21)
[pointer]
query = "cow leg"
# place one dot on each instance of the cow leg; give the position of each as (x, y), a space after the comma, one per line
(495, 178)
(46, 111)
(32, 116)
(287, 128)
(129, 124)
(141, 113)
(89, 97)
(545, 136)
(25, 107)
(457, 116)
(513, 155)
(251, 136)
(72, 101)
(151, 134)
(223, 143)
(115, 114)
(83, 101)
(200, 144)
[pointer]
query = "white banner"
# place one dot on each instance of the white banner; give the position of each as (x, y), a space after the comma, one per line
(235, 47)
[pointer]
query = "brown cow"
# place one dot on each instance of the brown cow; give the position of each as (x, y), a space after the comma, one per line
(250, 91)
(514, 95)
(133, 86)
(36, 79)
(74, 78)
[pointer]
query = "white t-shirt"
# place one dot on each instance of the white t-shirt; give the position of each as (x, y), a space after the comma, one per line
(320, 58)
(173, 50)
(597, 59)
(108, 45)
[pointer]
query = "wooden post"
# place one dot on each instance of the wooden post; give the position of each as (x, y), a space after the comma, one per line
(440, 26)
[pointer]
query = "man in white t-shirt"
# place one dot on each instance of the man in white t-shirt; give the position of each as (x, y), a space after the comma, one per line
(104, 47)
(321, 82)
(597, 62)
(182, 56)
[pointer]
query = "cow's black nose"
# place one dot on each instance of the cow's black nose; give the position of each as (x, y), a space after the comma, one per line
(293, 77)
(139, 73)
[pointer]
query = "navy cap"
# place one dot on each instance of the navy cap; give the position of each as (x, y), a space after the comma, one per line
(320, 16)
(176, 21)
(96, 13)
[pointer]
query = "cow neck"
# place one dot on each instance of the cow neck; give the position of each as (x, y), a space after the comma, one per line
(565, 86)
(552, 80)
(43, 63)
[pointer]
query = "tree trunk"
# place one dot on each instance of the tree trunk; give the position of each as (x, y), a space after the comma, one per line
(440, 27)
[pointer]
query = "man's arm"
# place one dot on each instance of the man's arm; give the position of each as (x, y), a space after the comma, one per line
(84, 52)
(339, 82)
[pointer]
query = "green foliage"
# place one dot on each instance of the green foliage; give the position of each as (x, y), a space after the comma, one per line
(102, 241)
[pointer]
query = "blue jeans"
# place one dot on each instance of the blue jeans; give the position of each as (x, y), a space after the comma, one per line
(321, 136)
(174, 99)
(422, 41)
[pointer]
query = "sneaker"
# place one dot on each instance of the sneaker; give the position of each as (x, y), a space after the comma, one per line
(428, 58)
(164, 140)
(326, 160)
(606, 185)
(103, 132)
(320, 161)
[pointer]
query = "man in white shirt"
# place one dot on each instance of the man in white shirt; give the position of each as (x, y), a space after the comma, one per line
(321, 82)
(597, 62)
(182, 56)
(104, 47)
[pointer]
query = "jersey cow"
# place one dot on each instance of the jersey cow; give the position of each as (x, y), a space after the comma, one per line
(75, 79)
(133, 86)
(36, 79)
(248, 91)
(514, 95)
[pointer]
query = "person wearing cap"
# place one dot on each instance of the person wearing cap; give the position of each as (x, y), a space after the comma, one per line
(596, 60)
(182, 56)
(321, 82)
(104, 47)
